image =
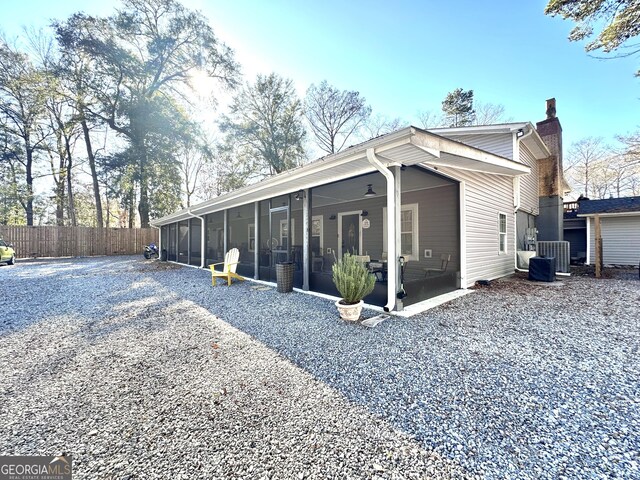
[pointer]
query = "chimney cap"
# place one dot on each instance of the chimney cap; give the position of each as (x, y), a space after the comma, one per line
(551, 108)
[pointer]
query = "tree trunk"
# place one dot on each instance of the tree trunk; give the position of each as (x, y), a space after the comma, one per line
(60, 195)
(132, 207)
(28, 168)
(72, 207)
(143, 205)
(94, 174)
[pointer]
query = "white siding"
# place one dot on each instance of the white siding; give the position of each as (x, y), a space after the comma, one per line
(529, 183)
(620, 240)
(497, 143)
(485, 197)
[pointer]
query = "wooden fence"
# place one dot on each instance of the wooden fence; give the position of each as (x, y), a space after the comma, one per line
(76, 241)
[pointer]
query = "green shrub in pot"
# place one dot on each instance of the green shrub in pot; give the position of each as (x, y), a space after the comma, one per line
(353, 281)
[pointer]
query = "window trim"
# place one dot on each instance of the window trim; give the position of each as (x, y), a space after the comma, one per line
(318, 217)
(283, 223)
(251, 226)
(502, 251)
(415, 228)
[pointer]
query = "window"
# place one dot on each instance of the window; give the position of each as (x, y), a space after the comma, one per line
(252, 237)
(502, 235)
(408, 231)
(284, 234)
(316, 234)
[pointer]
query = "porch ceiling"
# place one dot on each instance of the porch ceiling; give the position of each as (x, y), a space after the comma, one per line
(410, 146)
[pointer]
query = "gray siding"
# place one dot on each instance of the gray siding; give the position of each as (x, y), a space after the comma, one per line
(486, 196)
(620, 240)
(529, 183)
(497, 143)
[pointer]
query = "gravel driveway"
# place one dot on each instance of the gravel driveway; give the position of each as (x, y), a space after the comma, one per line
(143, 370)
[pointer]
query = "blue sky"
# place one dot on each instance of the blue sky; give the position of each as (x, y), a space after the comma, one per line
(404, 56)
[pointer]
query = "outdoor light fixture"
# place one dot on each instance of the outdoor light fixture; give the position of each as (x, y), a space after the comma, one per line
(332, 216)
(299, 195)
(364, 213)
(238, 215)
(370, 192)
(520, 133)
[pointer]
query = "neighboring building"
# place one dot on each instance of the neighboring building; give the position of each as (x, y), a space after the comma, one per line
(465, 194)
(620, 230)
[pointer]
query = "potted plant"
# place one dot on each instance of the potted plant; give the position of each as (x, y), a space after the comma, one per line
(354, 282)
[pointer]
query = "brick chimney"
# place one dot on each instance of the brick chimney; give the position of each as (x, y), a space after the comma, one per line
(550, 177)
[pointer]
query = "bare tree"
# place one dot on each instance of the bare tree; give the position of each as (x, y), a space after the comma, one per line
(334, 115)
(586, 159)
(489, 114)
(265, 124)
(23, 93)
(631, 147)
(193, 157)
(430, 119)
(378, 124)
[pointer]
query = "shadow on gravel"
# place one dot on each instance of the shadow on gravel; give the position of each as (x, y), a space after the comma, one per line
(83, 302)
(514, 381)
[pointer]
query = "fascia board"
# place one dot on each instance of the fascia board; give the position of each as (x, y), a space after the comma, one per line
(610, 214)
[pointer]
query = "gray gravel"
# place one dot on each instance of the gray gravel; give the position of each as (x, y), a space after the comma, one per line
(108, 360)
(513, 381)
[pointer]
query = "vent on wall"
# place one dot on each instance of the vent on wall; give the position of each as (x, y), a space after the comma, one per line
(559, 250)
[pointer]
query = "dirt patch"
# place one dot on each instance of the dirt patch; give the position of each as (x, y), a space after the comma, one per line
(618, 273)
(156, 265)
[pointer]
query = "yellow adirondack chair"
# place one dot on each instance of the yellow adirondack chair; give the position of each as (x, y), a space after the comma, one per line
(229, 267)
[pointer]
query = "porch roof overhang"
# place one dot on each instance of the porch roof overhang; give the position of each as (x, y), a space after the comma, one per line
(409, 146)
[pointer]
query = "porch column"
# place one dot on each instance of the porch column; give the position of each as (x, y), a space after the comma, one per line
(226, 229)
(256, 233)
(306, 234)
(397, 203)
(203, 240)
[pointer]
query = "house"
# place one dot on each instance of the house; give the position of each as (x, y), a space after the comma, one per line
(620, 229)
(434, 211)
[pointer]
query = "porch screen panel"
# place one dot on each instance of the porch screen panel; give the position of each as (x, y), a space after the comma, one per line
(183, 241)
(164, 239)
(297, 240)
(241, 235)
(263, 242)
(195, 241)
(430, 234)
(214, 238)
(172, 252)
(345, 200)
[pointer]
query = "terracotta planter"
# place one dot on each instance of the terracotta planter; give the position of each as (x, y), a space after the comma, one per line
(350, 312)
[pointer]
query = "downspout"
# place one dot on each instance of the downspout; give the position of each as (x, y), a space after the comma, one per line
(202, 234)
(516, 192)
(391, 230)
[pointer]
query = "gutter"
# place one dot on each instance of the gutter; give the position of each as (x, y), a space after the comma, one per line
(391, 230)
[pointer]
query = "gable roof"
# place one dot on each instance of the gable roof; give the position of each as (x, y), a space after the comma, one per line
(408, 146)
(611, 206)
(531, 137)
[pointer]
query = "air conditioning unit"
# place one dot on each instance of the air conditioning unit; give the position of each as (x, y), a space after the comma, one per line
(559, 250)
